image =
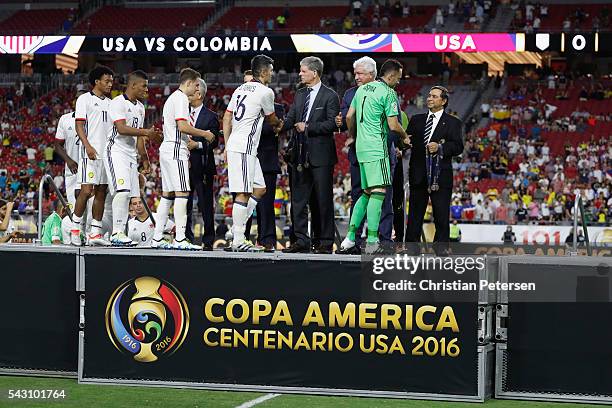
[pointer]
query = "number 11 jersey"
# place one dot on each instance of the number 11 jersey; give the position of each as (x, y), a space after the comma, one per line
(250, 102)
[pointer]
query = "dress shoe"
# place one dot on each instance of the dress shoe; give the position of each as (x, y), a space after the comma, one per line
(207, 247)
(354, 250)
(323, 249)
(296, 249)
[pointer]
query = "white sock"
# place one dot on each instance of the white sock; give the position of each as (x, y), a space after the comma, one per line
(87, 215)
(162, 217)
(239, 219)
(96, 227)
(180, 217)
(107, 218)
(76, 222)
(120, 211)
(251, 206)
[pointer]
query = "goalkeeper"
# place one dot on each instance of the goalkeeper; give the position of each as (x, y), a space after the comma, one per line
(373, 113)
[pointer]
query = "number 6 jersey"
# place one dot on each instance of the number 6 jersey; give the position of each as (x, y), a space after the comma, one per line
(250, 102)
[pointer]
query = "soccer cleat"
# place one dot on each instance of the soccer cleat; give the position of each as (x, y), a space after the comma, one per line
(185, 245)
(161, 244)
(245, 246)
(98, 240)
(346, 247)
(121, 240)
(374, 248)
(75, 237)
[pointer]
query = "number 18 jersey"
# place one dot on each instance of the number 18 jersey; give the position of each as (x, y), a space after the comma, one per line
(250, 102)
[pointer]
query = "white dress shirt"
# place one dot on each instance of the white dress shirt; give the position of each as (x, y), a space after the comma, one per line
(436, 119)
(313, 96)
(194, 113)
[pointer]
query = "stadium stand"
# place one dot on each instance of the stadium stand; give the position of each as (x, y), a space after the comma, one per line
(35, 22)
(561, 17)
(139, 20)
(297, 19)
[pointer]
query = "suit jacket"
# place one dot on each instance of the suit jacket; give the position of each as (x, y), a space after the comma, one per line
(203, 160)
(448, 129)
(267, 152)
(320, 143)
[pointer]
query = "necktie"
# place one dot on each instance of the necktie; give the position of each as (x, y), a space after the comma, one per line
(306, 105)
(428, 127)
(192, 117)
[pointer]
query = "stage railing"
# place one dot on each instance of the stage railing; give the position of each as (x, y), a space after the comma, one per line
(579, 208)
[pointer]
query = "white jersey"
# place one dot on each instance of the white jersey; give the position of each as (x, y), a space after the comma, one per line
(66, 131)
(94, 111)
(121, 108)
(174, 145)
(142, 231)
(250, 102)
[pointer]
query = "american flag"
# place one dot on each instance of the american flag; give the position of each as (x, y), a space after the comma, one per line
(18, 44)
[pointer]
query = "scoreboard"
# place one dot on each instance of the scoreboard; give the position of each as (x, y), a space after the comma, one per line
(568, 42)
(574, 42)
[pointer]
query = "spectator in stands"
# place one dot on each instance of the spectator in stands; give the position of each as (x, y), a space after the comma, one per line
(357, 8)
(456, 210)
(7, 229)
(439, 17)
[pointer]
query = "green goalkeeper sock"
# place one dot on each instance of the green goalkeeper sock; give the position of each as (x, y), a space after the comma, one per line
(374, 210)
(359, 211)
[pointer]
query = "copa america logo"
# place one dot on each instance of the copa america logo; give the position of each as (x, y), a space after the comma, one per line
(147, 318)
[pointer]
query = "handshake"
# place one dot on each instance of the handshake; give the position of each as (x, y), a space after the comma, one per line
(155, 134)
(279, 126)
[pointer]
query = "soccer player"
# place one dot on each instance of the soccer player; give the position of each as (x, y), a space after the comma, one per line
(126, 141)
(93, 125)
(242, 123)
(373, 112)
(174, 161)
(68, 147)
(52, 231)
(141, 227)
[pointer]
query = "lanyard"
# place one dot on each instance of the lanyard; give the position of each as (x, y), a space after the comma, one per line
(432, 164)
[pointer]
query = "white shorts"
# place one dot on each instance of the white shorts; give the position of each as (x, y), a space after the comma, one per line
(72, 183)
(92, 171)
(174, 174)
(122, 173)
(244, 173)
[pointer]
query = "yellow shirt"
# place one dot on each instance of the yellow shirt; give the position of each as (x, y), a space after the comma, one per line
(48, 153)
(527, 199)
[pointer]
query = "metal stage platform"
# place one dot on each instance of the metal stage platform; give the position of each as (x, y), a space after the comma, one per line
(302, 323)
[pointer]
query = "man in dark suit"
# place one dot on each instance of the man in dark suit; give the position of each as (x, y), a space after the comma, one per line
(440, 134)
(202, 169)
(312, 116)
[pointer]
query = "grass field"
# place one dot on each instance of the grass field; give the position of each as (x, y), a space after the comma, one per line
(110, 396)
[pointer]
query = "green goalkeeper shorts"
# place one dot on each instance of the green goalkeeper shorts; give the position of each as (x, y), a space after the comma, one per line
(375, 173)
